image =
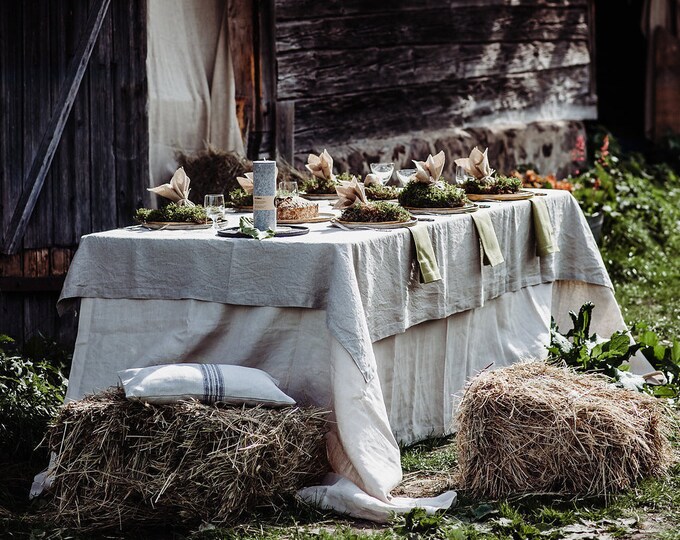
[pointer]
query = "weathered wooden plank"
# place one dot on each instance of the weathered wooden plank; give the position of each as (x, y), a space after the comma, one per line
(55, 127)
(31, 284)
(309, 9)
(11, 265)
(285, 130)
(433, 26)
(102, 161)
(130, 98)
(12, 315)
(36, 262)
(666, 83)
(37, 111)
(11, 117)
(341, 72)
(241, 45)
(382, 113)
(40, 315)
(60, 260)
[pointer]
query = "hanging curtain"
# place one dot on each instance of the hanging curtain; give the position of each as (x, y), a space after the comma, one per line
(191, 82)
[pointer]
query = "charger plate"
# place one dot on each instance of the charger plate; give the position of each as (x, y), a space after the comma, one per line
(467, 209)
(291, 230)
(519, 196)
(323, 216)
(175, 225)
(319, 196)
(376, 224)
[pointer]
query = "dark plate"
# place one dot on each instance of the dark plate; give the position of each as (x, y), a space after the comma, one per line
(288, 230)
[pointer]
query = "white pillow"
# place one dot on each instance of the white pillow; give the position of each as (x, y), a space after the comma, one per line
(207, 383)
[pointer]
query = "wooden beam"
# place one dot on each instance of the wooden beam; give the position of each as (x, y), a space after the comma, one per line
(31, 284)
(285, 130)
(51, 137)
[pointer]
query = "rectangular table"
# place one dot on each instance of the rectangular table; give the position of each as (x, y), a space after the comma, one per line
(339, 317)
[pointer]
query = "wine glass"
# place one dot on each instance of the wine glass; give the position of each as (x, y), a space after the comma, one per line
(383, 171)
(214, 207)
(461, 175)
(404, 175)
(288, 189)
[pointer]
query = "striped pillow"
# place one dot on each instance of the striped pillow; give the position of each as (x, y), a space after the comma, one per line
(208, 383)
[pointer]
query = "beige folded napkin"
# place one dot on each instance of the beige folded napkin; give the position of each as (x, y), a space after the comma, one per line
(477, 165)
(429, 270)
(350, 193)
(488, 238)
(546, 243)
(177, 190)
(321, 166)
(429, 171)
(246, 183)
(372, 180)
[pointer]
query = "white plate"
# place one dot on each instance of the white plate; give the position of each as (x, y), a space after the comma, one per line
(519, 196)
(323, 216)
(467, 209)
(376, 224)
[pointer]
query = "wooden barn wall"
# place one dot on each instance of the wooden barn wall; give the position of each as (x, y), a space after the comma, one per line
(100, 168)
(354, 69)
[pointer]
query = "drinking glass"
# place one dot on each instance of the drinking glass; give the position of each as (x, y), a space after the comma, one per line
(288, 189)
(404, 175)
(214, 207)
(461, 176)
(383, 171)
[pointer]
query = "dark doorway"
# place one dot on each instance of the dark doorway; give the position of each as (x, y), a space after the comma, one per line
(620, 56)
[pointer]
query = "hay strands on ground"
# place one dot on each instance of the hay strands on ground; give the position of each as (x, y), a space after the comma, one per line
(536, 428)
(124, 463)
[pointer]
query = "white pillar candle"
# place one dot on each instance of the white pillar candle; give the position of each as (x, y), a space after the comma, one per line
(264, 191)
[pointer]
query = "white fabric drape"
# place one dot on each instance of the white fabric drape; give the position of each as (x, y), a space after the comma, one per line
(191, 82)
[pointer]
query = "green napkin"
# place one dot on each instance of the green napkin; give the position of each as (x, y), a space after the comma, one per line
(487, 234)
(429, 270)
(546, 243)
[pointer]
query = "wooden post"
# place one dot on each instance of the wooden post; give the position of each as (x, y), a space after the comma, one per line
(285, 130)
(50, 140)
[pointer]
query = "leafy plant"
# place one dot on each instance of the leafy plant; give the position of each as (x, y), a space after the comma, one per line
(381, 193)
(172, 212)
(31, 391)
(502, 184)
(247, 227)
(439, 195)
(419, 522)
(240, 197)
(375, 212)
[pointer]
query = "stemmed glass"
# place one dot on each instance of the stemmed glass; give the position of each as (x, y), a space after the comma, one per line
(383, 171)
(214, 207)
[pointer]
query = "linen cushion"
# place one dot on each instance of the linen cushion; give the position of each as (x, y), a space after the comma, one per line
(207, 383)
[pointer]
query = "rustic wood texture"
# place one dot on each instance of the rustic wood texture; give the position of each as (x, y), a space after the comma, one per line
(370, 70)
(241, 45)
(666, 83)
(100, 169)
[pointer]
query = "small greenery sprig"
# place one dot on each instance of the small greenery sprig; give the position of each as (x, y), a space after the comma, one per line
(240, 197)
(439, 195)
(501, 185)
(246, 226)
(172, 213)
(318, 186)
(377, 192)
(375, 212)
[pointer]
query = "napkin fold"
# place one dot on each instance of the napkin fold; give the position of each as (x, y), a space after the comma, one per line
(487, 235)
(477, 165)
(177, 190)
(350, 193)
(246, 183)
(372, 180)
(429, 270)
(546, 243)
(429, 171)
(321, 166)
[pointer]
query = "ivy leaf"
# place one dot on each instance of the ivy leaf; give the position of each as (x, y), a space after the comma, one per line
(246, 226)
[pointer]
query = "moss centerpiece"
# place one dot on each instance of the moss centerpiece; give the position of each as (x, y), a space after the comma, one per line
(480, 176)
(323, 181)
(172, 213)
(356, 208)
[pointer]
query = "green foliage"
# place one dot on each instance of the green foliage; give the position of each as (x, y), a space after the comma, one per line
(247, 227)
(375, 212)
(418, 522)
(344, 177)
(376, 192)
(172, 212)
(31, 391)
(318, 186)
(240, 197)
(439, 195)
(501, 185)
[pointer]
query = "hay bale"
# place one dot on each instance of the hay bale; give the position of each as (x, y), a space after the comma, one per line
(536, 428)
(213, 171)
(123, 463)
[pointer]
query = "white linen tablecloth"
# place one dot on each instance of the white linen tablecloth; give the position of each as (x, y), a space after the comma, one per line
(310, 310)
